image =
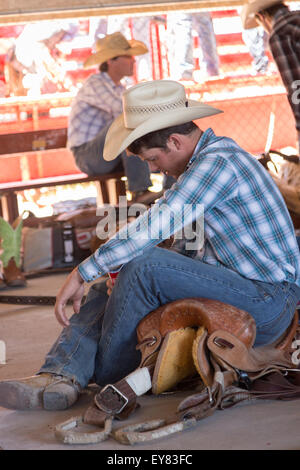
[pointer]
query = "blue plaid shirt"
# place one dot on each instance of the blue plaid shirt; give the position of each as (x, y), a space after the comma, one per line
(95, 106)
(247, 227)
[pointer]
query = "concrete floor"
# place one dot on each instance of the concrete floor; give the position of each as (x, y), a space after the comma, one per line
(29, 332)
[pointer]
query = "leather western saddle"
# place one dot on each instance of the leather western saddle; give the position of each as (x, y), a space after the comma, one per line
(183, 340)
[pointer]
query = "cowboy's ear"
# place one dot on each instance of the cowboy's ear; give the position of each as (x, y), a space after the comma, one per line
(175, 140)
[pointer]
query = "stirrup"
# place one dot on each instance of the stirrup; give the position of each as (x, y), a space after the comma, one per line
(150, 430)
(66, 434)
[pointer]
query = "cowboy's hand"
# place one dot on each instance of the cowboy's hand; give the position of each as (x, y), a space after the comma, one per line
(109, 285)
(72, 289)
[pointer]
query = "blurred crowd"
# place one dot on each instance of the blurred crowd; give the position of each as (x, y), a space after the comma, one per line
(35, 61)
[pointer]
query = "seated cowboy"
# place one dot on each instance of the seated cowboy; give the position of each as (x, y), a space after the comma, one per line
(96, 105)
(244, 254)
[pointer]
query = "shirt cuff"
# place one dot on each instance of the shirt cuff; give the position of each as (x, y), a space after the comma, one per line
(89, 270)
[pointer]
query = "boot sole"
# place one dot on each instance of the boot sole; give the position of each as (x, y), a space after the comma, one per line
(17, 396)
(58, 400)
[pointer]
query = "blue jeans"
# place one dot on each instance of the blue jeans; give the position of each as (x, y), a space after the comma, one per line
(100, 342)
(89, 159)
(256, 39)
(180, 44)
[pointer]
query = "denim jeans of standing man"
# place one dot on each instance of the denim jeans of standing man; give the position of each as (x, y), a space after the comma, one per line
(180, 26)
(100, 343)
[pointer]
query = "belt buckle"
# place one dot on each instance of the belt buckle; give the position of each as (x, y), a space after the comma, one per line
(115, 390)
(244, 378)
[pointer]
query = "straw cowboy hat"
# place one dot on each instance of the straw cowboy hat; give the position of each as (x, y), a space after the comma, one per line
(250, 9)
(148, 107)
(114, 45)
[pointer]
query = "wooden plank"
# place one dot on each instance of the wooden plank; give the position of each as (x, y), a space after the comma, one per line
(16, 11)
(8, 191)
(57, 181)
(33, 141)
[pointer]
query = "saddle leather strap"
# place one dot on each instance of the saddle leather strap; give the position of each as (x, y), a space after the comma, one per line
(230, 350)
(112, 399)
(276, 386)
(98, 417)
(204, 403)
(273, 386)
(119, 399)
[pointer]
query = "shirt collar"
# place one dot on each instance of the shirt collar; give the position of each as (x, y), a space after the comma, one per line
(204, 139)
(110, 82)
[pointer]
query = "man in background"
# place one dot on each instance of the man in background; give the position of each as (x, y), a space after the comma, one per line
(283, 27)
(97, 104)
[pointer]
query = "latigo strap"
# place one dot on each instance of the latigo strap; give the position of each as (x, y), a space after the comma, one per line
(29, 299)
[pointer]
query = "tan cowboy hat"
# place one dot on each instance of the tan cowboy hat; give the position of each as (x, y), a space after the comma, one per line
(250, 9)
(148, 107)
(114, 45)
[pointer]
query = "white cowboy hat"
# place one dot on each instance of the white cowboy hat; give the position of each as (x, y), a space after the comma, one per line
(250, 9)
(114, 45)
(148, 107)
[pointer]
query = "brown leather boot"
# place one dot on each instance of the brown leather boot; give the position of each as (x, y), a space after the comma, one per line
(13, 276)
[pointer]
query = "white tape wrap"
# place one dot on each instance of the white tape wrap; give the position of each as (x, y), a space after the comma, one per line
(2, 352)
(139, 381)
